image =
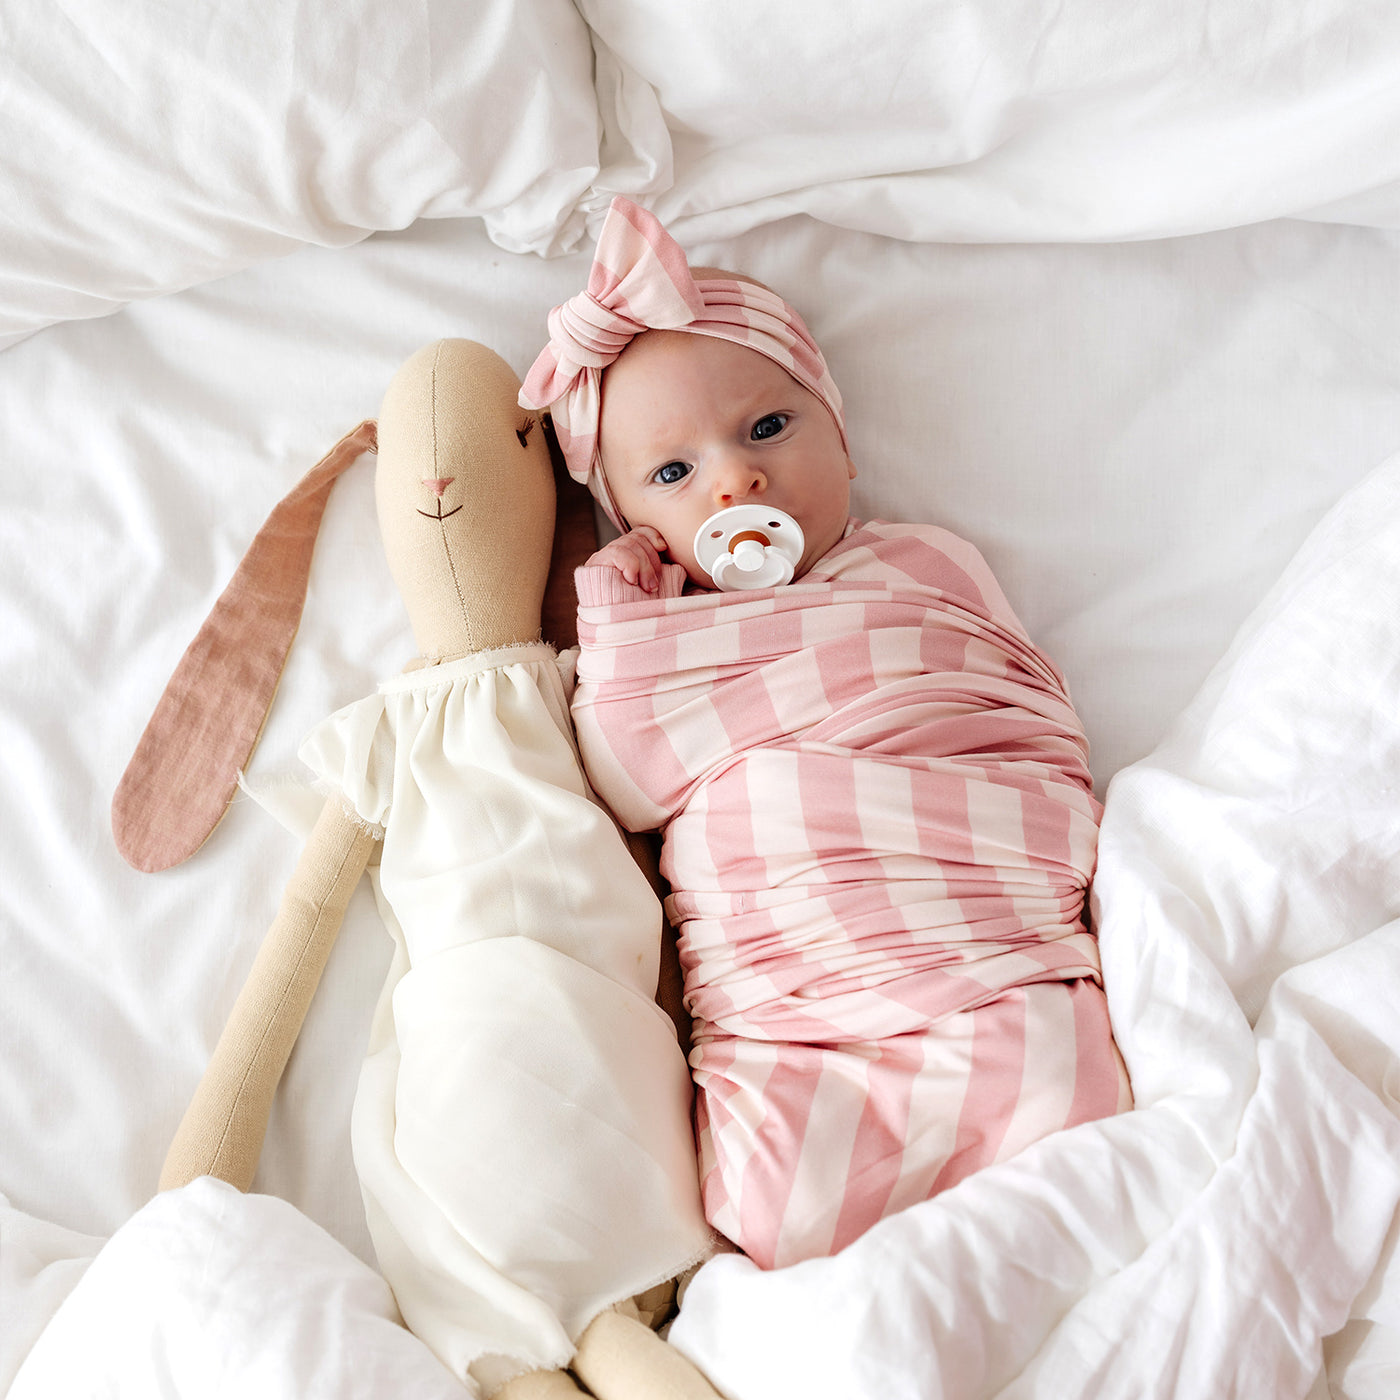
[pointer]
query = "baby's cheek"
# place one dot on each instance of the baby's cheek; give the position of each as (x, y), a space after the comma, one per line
(695, 573)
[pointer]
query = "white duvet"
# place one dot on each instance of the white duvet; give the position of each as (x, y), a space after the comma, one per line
(1133, 395)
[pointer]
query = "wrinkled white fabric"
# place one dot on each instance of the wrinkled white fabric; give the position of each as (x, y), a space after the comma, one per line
(40, 1265)
(206, 1291)
(522, 1127)
(938, 120)
(149, 148)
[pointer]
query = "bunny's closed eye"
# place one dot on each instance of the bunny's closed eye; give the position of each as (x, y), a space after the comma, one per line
(524, 433)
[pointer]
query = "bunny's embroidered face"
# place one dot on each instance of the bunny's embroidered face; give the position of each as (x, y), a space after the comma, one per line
(463, 472)
(438, 485)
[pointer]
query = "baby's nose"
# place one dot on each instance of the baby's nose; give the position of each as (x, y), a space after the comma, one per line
(438, 484)
(737, 483)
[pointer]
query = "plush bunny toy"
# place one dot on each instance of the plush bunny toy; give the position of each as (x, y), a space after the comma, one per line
(521, 1126)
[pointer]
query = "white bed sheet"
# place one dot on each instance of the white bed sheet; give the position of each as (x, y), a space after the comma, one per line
(1138, 435)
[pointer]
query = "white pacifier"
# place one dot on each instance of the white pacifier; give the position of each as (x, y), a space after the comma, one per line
(749, 546)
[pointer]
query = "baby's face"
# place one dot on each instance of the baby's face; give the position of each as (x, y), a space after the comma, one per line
(691, 424)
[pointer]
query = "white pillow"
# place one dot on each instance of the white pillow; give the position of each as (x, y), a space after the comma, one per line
(148, 146)
(946, 121)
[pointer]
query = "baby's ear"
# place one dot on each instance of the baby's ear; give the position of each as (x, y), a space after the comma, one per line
(206, 724)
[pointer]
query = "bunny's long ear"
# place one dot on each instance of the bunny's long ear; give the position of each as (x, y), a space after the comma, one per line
(185, 769)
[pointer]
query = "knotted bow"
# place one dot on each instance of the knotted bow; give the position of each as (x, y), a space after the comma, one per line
(640, 280)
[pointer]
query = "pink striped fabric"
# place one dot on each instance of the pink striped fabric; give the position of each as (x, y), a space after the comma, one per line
(640, 281)
(879, 830)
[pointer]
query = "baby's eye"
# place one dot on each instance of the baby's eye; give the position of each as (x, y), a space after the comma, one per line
(671, 473)
(769, 426)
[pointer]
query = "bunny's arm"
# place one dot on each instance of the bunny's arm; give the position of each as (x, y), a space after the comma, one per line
(222, 1131)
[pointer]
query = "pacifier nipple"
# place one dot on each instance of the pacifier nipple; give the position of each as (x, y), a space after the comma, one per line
(749, 546)
(748, 556)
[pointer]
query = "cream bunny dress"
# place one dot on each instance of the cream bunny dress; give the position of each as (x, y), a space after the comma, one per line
(521, 1127)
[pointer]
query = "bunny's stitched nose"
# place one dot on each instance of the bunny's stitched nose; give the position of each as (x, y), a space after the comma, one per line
(437, 485)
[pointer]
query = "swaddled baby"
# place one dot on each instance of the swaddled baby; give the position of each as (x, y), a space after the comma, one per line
(878, 819)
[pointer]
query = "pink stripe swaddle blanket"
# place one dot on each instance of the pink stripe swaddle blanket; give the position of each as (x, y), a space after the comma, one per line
(879, 830)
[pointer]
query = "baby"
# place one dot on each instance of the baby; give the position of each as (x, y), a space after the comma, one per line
(878, 822)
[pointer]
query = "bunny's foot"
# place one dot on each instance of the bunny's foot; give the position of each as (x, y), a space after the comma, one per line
(541, 1385)
(620, 1358)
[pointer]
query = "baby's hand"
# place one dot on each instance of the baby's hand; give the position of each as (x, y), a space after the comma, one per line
(636, 556)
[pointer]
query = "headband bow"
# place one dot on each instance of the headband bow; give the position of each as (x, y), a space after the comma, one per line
(640, 281)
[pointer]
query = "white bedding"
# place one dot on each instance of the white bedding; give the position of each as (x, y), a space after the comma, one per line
(1139, 407)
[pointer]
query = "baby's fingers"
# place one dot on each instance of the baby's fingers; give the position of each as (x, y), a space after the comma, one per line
(644, 562)
(635, 556)
(642, 570)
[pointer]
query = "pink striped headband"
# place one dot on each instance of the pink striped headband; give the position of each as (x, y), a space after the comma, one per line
(640, 281)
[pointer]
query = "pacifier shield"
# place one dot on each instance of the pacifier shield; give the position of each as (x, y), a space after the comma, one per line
(749, 546)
